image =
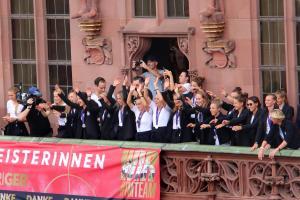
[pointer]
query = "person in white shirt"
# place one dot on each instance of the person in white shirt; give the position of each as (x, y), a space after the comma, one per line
(143, 114)
(184, 83)
(14, 126)
(161, 116)
(59, 110)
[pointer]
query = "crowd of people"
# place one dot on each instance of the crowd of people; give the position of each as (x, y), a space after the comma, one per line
(154, 108)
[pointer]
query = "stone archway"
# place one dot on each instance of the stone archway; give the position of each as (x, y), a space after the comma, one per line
(137, 45)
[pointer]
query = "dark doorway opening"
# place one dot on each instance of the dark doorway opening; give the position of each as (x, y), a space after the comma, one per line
(169, 55)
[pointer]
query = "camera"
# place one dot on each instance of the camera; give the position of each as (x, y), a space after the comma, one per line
(137, 65)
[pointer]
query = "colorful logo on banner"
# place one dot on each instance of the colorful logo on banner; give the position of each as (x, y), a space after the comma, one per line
(60, 171)
(139, 174)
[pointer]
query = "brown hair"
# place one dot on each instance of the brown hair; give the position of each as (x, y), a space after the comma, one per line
(199, 80)
(218, 102)
(204, 96)
(282, 94)
(242, 98)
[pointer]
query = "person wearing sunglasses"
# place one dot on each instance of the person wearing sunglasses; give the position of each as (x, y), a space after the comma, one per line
(250, 128)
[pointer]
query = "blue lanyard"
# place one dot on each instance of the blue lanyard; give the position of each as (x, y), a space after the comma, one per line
(140, 119)
(177, 118)
(200, 117)
(82, 116)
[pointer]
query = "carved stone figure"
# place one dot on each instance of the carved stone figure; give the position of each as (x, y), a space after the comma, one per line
(219, 51)
(98, 50)
(85, 11)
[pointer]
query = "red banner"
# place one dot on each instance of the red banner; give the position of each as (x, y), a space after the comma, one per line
(78, 170)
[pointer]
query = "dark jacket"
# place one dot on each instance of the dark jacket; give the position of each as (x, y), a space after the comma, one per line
(239, 138)
(249, 128)
(71, 123)
(128, 130)
(226, 106)
(288, 111)
(223, 133)
(298, 117)
(289, 134)
(105, 116)
(89, 128)
(201, 114)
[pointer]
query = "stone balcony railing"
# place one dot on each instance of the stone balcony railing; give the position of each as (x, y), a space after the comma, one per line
(192, 171)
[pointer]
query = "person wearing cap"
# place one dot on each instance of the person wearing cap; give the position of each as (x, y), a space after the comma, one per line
(282, 134)
(36, 113)
(152, 72)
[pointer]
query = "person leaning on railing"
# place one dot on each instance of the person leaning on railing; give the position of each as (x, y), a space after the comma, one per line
(282, 135)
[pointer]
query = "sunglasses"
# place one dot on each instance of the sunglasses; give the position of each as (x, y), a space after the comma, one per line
(249, 104)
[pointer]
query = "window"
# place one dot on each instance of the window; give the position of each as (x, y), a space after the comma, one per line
(178, 8)
(144, 8)
(23, 43)
(272, 46)
(59, 50)
(297, 6)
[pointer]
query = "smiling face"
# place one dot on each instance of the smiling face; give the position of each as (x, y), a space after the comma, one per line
(199, 100)
(56, 98)
(269, 101)
(177, 101)
(183, 78)
(279, 100)
(237, 104)
(139, 104)
(73, 97)
(252, 106)
(11, 95)
(152, 64)
(214, 110)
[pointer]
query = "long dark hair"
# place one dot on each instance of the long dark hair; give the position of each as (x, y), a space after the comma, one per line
(255, 99)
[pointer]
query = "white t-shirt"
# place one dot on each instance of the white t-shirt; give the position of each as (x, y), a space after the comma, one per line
(187, 87)
(96, 99)
(160, 117)
(145, 123)
(12, 109)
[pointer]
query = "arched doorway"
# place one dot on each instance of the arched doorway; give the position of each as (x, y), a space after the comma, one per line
(172, 52)
(169, 55)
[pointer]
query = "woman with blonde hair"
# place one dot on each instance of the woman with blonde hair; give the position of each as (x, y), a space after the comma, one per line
(14, 108)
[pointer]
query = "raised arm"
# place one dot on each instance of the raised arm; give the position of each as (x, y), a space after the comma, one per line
(129, 102)
(155, 73)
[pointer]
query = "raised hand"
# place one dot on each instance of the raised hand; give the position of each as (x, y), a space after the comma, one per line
(188, 101)
(132, 88)
(116, 82)
(89, 91)
(223, 92)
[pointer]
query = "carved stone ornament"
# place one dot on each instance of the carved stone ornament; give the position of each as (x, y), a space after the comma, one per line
(208, 175)
(219, 51)
(98, 50)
